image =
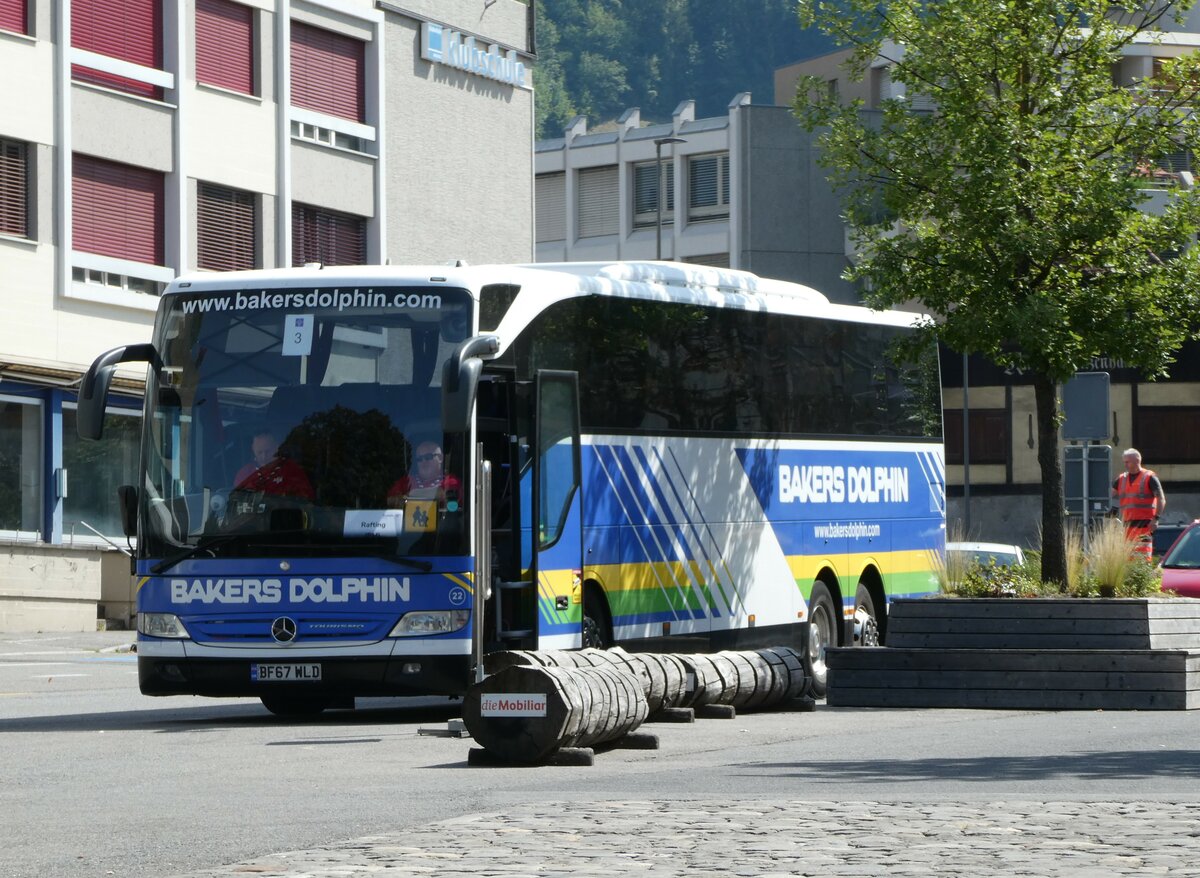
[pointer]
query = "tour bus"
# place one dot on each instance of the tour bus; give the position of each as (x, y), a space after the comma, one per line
(655, 455)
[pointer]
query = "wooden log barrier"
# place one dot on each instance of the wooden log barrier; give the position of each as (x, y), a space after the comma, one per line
(525, 712)
(747, 680)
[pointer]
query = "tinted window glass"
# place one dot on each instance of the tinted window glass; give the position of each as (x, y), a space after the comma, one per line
(662, 367)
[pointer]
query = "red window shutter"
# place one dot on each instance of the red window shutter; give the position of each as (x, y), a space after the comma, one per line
(226, 223)
(130, 30)
(225, 45)
(327, 237)
(14, 189)
(12, 16)
(327, 72)
(117, 210)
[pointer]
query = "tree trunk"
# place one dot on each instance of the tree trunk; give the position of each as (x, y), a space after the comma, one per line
(1054, 551)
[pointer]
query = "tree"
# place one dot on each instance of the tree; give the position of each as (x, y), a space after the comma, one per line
(1013, 210)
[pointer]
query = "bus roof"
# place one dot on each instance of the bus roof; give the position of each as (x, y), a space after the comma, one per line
(656, 281)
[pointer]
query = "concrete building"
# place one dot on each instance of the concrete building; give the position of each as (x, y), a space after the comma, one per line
(751, 195)
(140, 139)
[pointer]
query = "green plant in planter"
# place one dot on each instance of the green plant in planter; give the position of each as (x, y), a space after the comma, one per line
(1108, 557)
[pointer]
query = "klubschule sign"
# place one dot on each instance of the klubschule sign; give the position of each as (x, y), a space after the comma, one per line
(442, 45)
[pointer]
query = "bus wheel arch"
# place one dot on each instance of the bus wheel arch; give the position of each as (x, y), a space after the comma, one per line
(824, 629)
(597, 617)
(870, 609)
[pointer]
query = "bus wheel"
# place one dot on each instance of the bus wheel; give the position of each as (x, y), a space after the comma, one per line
(866, 622)
(295, 706)
(822, 634)
(595, 621)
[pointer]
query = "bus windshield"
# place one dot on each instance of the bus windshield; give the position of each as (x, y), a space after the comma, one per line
(303, 422)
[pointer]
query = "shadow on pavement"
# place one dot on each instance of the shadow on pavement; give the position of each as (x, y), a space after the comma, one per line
(247, 715)
(988, 769)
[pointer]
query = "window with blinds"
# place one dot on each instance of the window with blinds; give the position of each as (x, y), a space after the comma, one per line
(327, 237)
(226, 228)
(598, 199)
(551, 206)
(129, 30)
(708, 187)
(645, 193)
(327, 72)
(14, 188)
(116, 210)
(13, 16)
(225, 45)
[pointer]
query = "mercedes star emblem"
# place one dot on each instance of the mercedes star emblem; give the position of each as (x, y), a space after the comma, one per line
(283, 629)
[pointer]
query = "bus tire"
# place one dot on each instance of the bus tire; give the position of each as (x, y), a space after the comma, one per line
(866, 620)
(822, 634)
(597, 630)
(293, 706)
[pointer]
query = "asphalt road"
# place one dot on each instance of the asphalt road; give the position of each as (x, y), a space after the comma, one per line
(100, 780)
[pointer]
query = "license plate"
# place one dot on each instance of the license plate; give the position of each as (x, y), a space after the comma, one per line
(292, 672)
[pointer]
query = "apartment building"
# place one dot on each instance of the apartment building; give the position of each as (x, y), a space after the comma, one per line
(750, 195)
(141, 139)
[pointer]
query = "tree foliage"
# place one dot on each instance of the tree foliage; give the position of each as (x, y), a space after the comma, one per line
(1015, 211)
(599, 57)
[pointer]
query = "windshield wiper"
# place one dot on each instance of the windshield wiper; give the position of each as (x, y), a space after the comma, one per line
(204, 545)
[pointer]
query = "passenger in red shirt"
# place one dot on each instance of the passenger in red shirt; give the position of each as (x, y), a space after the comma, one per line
(272, 473)
(427, 481)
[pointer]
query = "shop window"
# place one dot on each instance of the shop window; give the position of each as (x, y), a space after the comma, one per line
(94, 472)
(20, 466)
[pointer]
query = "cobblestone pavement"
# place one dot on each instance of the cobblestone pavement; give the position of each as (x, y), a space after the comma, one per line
(757, 839)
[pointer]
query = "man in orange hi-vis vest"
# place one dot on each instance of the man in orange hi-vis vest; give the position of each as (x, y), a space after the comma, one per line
(1137, 496)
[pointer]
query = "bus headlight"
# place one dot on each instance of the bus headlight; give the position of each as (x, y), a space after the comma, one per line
(161, 625)
(423, 622)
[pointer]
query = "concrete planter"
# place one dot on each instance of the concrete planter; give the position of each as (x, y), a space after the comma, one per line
(1056, 654)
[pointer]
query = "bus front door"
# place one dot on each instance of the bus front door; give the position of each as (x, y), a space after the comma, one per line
(557, 510)
(530, 433)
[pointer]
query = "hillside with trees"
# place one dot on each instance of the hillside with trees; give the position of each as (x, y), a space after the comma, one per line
(599, 57)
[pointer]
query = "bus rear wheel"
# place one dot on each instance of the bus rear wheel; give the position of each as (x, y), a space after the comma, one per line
(295, 706)
(822, 634)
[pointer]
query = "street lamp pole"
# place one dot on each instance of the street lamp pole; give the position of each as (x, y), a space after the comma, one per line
(658, 145)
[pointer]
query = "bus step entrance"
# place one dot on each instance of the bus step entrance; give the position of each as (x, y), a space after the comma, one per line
(516, 615)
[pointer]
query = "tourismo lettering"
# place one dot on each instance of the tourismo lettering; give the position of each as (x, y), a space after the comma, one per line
(836, 484)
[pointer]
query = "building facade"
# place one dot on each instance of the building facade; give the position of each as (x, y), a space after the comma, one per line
(142, 139)
(750, 195)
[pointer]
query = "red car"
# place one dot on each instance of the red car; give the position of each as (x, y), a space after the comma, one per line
(1181, 563)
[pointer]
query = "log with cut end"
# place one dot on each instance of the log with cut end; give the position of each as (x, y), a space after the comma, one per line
(524, 713)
